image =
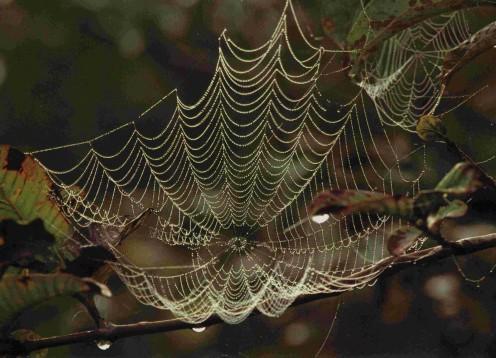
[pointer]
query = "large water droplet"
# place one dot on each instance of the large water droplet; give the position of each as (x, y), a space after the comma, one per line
(103, 344)
(319, 219)
(199, 329)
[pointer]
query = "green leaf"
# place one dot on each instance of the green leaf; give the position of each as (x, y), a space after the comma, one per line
(26, 335)
(345, 202)
(18, 292)
(338, 17)
(25, 193)
(402, 239)
(454, 209)
(430, 128)
(463, 178)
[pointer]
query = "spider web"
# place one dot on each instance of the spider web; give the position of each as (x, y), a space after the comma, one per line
(403, 78)
(229, 179)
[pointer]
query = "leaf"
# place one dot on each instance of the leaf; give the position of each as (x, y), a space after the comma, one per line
(463, 178)
(26, 335)
(345, 202)
(27, 246)
(402, 239)
(25, 193)
(430, 128)
(18, 293)
(454, 209)
(338, 17)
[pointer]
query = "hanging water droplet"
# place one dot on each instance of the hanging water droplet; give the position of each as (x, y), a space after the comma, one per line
(319, 219)
(199, 329)
(103, 344)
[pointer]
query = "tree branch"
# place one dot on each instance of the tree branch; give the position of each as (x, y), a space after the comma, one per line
(389, 266)
(392, 17)
(416, 14)
(481, 41)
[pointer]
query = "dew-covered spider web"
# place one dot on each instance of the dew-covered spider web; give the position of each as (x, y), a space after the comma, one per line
(403, 77)
(229, 179)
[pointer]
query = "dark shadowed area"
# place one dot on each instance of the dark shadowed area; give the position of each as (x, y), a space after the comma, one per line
(73, 69)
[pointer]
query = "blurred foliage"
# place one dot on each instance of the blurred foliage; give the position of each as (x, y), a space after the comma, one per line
(72, 69)
(338, 17)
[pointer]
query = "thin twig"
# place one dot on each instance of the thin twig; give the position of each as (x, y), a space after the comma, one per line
(112, 332)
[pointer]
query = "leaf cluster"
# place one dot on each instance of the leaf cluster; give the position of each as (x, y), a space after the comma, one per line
(427, 210)
(37, 260)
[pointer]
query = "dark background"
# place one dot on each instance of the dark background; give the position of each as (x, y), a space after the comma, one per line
(72, 69)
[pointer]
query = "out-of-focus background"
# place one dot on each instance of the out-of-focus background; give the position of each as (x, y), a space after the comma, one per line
(72, 69)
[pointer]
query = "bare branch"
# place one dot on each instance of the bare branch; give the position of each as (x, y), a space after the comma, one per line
(389, 266)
